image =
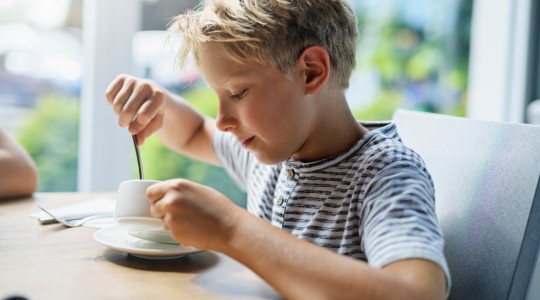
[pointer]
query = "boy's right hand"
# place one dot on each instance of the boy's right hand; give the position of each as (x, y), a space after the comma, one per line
(138, 103)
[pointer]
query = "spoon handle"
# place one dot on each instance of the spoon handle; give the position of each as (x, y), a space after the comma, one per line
(138, 154)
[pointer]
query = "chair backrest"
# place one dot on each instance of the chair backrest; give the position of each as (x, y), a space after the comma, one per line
(486, 177)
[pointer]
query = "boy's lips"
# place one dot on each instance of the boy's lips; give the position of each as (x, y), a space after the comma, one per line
(245, 142)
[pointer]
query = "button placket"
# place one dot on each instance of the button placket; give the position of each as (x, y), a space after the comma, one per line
(290, 184)
(284, 190)
(290, 174)
(279, 201)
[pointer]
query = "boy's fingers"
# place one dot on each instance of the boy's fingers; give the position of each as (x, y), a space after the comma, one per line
(155, 192)
(149, 108)
(112, 90)
(156, 210)
(152, 127)
(131, 108)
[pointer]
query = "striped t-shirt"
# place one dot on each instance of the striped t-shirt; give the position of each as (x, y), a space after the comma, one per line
(374, 202)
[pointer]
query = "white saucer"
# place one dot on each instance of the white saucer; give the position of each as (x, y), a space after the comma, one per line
(116, 238)
(146, 228)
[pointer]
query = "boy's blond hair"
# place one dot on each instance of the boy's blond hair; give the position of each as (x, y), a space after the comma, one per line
(273, 32)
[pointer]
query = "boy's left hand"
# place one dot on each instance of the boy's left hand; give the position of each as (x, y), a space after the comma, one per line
(196, 215)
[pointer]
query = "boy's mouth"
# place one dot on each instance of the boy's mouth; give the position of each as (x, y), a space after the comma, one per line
(245, 143)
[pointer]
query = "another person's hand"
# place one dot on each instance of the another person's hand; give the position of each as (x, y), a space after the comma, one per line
(195, 214)
(139, 99)
(18, 171)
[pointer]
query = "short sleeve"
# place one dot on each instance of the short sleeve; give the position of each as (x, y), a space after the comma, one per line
(398, 214)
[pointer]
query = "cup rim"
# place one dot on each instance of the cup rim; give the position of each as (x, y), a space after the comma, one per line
(140, 180)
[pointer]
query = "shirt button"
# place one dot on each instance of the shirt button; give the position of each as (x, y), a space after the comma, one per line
(279, 201)
(290, 173)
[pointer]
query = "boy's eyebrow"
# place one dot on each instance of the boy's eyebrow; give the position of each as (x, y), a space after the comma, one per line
(230, 76)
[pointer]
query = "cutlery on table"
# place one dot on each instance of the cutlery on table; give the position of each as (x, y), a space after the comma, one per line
(74, 221)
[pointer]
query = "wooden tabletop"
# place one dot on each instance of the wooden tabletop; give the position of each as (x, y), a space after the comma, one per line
(55, 262)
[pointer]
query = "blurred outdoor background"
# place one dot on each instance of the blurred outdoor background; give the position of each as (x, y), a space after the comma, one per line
(411, 53)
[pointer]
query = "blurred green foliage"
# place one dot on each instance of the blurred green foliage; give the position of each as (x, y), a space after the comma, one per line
(419, 67)
(381, 108)
(50, 134)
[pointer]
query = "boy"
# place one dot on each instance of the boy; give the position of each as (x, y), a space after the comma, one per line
(336, 210)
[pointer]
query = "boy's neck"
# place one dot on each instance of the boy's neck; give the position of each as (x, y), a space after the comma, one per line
(336, 130)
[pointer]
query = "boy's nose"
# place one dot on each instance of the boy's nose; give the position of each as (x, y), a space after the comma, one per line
(225, 121)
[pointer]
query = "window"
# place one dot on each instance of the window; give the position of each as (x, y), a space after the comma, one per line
(411, 53)
(40, 82)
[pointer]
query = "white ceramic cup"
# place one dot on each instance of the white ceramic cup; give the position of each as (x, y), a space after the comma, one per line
(132, 212)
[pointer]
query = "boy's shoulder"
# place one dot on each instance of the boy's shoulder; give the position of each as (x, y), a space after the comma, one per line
(383, 145)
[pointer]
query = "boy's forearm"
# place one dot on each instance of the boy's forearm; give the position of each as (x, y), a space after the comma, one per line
(296, 269)
(185, 130)
(301, 270)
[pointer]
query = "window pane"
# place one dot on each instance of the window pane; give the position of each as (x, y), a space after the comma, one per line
(412, 54)
(40, 72)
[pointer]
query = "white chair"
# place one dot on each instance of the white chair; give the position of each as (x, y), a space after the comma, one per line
(486, 177)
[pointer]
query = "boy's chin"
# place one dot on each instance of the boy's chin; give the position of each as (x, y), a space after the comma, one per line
(269, 160)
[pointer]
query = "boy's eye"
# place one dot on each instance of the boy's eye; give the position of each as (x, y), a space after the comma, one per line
(238, 96)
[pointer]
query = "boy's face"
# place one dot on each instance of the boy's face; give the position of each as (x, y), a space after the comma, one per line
(269, 114)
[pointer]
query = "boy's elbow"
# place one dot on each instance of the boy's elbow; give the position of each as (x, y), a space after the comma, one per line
(417, 279)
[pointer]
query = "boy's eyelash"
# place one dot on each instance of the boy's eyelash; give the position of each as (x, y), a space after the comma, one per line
(239, 95)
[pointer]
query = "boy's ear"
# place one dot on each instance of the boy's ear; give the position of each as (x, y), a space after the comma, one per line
(314, 66)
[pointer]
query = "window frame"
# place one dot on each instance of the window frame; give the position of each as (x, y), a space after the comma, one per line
(499, 69)
(106, 151)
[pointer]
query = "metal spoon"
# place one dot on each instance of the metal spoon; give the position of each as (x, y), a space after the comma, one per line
(139, 162)
(76, 221)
